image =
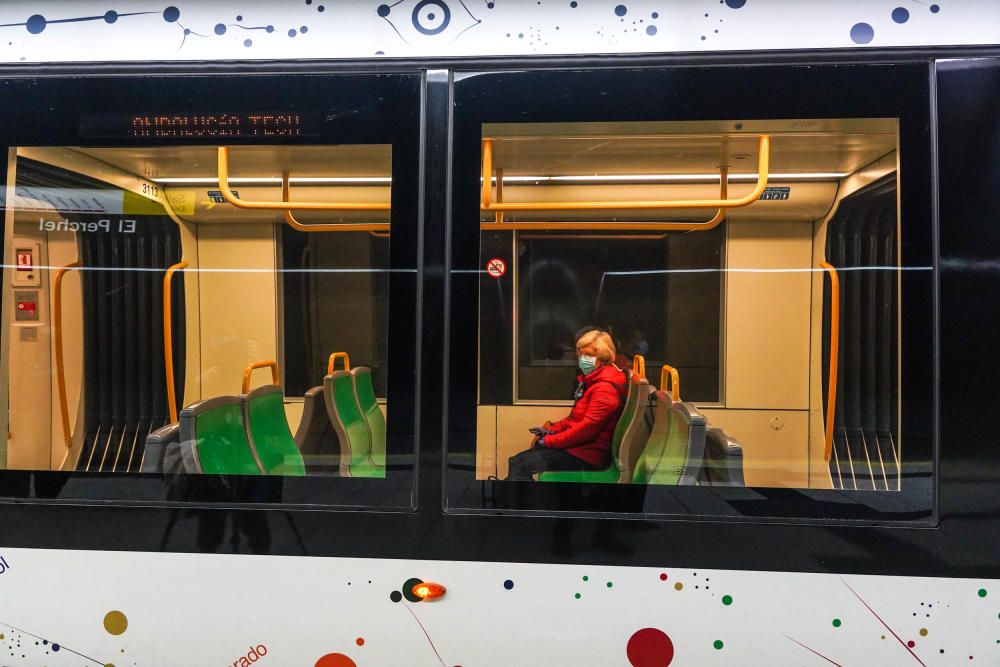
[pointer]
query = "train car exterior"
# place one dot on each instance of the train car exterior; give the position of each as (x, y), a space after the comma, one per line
(783, 210)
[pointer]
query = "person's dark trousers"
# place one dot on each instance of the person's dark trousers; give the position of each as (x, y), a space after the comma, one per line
(542, 459)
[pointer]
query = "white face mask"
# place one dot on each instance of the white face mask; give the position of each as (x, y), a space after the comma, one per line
(588, 363)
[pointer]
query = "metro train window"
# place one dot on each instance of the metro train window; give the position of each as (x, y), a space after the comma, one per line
(688, 315)
(155, 326)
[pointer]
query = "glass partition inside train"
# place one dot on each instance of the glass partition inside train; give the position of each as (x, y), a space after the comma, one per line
(668, 307)
(185, 309)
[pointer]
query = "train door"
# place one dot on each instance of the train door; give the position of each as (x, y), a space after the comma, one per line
(748, 255)
(198, 272)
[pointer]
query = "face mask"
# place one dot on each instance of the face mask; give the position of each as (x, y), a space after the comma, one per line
(587, 363)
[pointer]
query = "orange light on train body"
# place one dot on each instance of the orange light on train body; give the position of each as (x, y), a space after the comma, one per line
(428, 591)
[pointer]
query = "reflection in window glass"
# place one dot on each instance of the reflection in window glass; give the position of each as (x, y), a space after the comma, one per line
(151, 326)
(644, 346)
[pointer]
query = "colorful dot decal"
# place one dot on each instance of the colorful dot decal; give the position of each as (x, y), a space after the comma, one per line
(610, 584)
(360, 641)
(718, 644)
(578, 596)
(335, 660)
(678, 586)
(727, 600)
(508, 584)
(837, 623)
(115, 622)
(923, 632)
(650, 647)
(408, 589)
(911, 643)
(663, 576)
(982, 592)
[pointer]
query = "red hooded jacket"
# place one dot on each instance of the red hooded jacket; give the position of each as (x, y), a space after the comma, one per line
(587, 432)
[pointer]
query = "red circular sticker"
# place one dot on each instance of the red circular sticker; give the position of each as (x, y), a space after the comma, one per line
(496, 267)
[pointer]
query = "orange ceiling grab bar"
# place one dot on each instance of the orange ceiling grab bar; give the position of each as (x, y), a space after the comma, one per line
(168, 337)
(487, 203)
(227, 193)
(333, 362)
(716, 220)
(831, 392)
(639, 367)
(374, 228)
(250, 368)
(669, 372)
(57, 334)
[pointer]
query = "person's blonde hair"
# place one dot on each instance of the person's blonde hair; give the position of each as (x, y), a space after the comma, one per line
(601, 342)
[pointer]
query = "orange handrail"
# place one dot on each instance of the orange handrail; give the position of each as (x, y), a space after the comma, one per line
(227, 193)
(250, 368)
(333, 362)
(372, 228)
(639, 366)
(487, 204)
(716, 220)
(168, 337)
(831, 392)
(57, 334)
(669, 371)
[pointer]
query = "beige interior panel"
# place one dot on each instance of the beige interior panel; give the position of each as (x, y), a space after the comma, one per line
(238, 305)
(513, 422)
(775, 444)
(293, 413)
(30, 369)
(486, 441)
(768, 315)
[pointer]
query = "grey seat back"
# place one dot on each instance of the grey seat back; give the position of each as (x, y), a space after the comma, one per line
(162, 452)
(315, 437)
(637, 432)
(723, 464)
(693, 425)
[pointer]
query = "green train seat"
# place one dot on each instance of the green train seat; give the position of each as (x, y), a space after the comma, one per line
(213, 440)
(268, 435)
(315, 437)
(676, 447)
(364, 391)
(350, 425)
(723, 464)
(628, 427)
(653, 451)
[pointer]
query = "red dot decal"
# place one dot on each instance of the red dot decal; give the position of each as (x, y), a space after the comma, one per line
(335, 660)
(911, 643)
(663, 577)
(360, 641)
(650, 647)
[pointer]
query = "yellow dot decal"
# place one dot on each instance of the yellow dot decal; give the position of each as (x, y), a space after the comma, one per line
(923, 632)
(115, 622)
(678, 586)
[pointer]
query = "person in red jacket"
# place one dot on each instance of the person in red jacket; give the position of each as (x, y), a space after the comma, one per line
(581, 441)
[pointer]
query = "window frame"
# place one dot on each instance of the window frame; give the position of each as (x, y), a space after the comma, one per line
(394, 105)
(694, 93)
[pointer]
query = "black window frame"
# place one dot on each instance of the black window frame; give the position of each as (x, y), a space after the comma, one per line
(710, 92)
(350, 108)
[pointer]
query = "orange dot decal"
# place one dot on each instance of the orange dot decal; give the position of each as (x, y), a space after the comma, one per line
(360, 641)
(335, 660)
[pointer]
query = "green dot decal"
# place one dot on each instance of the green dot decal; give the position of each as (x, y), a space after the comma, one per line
(982, 592)
(727, 600)
(837, 623)
(577, 596)
(610, 584)
(586, 578)
(718, 644)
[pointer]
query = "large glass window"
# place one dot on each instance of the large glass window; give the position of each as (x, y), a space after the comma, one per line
(165, 327)
(673, 307)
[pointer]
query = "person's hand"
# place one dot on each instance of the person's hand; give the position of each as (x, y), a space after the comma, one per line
(539, 431)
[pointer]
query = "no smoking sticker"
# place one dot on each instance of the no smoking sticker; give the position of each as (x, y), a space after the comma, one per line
(496, 267)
